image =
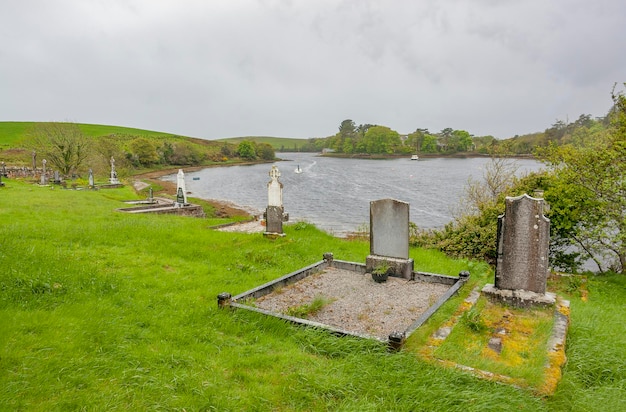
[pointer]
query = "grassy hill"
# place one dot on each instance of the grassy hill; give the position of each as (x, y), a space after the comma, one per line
(11, 133)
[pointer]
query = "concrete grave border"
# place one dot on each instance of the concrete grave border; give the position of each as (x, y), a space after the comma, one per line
(395, 340)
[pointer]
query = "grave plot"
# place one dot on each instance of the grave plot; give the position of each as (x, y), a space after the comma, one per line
(348, 298)
(343, 298)
(514, 331)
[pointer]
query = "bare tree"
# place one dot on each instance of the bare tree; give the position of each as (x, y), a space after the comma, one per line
(63, 145)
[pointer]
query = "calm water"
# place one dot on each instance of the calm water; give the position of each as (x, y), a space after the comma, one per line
(334, 194)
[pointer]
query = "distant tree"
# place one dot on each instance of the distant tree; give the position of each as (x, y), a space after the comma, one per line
(462, 140)
(246, 150)
(265, 151)
(590, 183)
(165, 153)
(347, 128)
(63, 145)
(143, 152)
(381, 139)
(429, 144)
(416, 139)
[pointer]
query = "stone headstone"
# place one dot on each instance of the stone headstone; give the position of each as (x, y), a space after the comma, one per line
(389, 236)
(34, 154)
(150, 195)
(275, 212)
(113, 179)
(43, 173)
(4, 169)
(91, 182)
(57, 177)
(181, 192)
(274, 188)
(522, 264)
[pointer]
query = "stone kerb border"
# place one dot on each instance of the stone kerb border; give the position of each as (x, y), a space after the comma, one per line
(395, 340)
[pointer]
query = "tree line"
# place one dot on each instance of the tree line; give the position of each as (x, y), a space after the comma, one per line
(72, 153)
(375, 139)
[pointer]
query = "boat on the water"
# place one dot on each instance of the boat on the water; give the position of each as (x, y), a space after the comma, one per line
(298, 170)
(415, 157)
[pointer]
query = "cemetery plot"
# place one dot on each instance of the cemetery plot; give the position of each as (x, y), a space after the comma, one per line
(518, 346)
(354, 302)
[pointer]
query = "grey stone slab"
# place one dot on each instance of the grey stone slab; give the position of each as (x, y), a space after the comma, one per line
(389, 228)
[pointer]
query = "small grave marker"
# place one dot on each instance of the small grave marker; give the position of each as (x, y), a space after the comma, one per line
(91, 182)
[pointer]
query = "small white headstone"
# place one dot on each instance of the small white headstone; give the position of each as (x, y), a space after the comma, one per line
(275, 189)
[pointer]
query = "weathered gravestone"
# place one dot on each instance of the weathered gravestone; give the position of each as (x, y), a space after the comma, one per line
(34, 154)
(522, 264)
(57, 177)
(181, 192)
(44, 179)
(91, 181)
(113, 179)
(389, 237)
(4, 169)
(275, 213)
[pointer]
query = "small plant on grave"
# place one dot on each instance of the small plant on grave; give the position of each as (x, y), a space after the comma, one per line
(381, 271)
(474, 321)
(309, 309)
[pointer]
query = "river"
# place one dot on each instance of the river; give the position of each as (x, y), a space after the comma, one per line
(334, 193)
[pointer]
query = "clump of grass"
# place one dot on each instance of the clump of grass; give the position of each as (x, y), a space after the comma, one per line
(474, 321)
(309, 309)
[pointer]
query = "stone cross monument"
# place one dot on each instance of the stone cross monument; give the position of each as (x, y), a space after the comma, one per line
(522, 264)
(113, 179)
(275, 212)
(181, 192)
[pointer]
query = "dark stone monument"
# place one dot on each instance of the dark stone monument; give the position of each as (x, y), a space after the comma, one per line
(389, 237)
(522, 263)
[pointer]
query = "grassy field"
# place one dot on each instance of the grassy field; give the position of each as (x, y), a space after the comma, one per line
(101, 310)
(12, 132)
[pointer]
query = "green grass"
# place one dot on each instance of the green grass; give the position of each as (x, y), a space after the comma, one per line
(101, 310)
(527, 330)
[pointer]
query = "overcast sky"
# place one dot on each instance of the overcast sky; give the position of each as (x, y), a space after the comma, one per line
(224, 68)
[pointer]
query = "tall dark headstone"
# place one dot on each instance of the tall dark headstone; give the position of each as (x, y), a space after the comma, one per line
(522, 264)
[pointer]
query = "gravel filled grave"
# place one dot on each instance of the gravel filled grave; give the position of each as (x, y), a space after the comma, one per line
(355, 303)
